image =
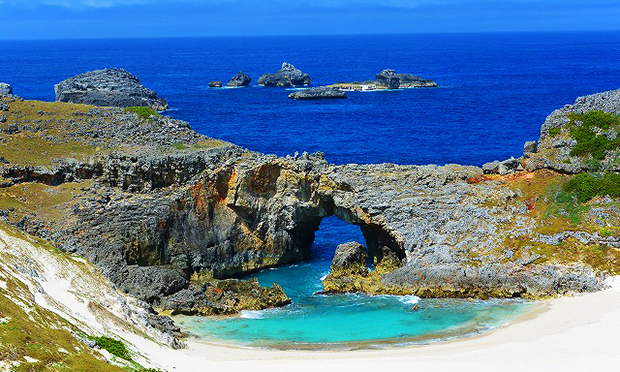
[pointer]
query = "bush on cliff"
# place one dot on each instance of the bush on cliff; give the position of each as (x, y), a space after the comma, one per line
(590, 140)
(115, 347)
(586, 186)
(142, 112)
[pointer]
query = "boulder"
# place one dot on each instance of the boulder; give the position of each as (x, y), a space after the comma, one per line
(109, 87)
(503, 168)
(287, 76)
(530, 147)
(215, 84)
(5, 89)
(388, 78)
(318, 93)
(239, 80)
(350, 258)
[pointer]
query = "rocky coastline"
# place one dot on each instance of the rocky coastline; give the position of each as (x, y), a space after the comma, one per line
(173, 217)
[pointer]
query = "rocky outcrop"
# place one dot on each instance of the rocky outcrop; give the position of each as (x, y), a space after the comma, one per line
(109, 87)
(5, 89)
(239, 80)
(350, 258)
(414, 81)
(389, 79)
(223, 297)
(318, 93)
(215, 84)
(287, 76)
(560, 135)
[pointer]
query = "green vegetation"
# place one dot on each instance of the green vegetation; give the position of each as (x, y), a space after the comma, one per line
(142, 112)
(586, 186)
(589, 139)
(115, 347)
(553, 132)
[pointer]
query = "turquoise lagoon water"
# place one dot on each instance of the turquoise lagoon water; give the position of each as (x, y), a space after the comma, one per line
(348, 320)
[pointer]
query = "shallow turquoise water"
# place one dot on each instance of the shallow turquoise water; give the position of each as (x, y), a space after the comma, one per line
(350, 320)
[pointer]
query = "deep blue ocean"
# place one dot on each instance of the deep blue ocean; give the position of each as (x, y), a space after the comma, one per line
(495, 91)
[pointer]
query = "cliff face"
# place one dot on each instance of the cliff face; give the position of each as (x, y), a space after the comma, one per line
(154, 204)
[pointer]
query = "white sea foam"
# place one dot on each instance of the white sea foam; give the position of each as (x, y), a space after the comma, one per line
(252, 314)
(409, 300)
(324, 275)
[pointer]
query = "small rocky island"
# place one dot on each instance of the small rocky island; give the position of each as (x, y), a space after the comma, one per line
(387, 79)
(239, 80)
(114, 87)
(287, 76)
(318, 93)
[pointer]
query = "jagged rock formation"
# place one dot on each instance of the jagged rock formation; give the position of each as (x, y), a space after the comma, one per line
(152, 203)
(239, 80)
(350, 258)
(318, 93)
(389, 79)
(287, 76)
(109, 87)
(215, 84)
(5, 89)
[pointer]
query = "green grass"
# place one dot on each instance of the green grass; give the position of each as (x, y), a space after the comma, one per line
(115, 347)
(142, 112)
(589, 141)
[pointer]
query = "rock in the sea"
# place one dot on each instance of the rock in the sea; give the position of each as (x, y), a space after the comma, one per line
(215, 84)
(414, 81)
(350, 258)
(110, 87)
(5, 89)
(318, 93)
(287, 76)
(388, 78)
(240, 80)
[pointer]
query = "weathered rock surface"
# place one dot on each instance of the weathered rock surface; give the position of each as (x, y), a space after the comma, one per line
(5, 89)
(162, 203)
(318, 93)
(287, 76)
(215, 84)
(239, 80)
(351, 258)
(389, 79)
(109, 87)
(223, 297)
(414, 81)
(556, 141)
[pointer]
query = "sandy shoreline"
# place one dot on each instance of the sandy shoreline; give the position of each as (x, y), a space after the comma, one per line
(571, 333)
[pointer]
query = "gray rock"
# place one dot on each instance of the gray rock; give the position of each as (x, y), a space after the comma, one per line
(240, 80)
(287, 76)
(318, 93)
(388, 78)
(5, 89)
(414, 81)
(2, 118)
(215, 84)
(530, 147)
(109, 87)
(349, 255)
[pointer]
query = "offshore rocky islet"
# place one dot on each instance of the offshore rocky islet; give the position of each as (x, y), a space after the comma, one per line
(167, 213)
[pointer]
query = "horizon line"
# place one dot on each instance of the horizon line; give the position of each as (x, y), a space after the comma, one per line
(313, 35)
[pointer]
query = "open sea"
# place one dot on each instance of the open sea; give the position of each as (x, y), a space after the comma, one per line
(495, 91)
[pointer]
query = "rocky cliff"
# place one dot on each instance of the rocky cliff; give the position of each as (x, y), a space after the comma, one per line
(287, 76)
(153, 204)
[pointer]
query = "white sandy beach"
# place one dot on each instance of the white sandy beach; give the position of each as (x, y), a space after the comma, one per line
(569, 334)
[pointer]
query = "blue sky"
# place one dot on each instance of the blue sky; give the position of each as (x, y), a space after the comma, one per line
(53, 19)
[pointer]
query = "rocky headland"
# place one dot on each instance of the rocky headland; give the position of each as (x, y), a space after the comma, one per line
(287, 76)
(109, 87)
(173, 217)
(318, 93)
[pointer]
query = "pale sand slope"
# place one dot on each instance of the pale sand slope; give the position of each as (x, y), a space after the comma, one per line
(573, 334)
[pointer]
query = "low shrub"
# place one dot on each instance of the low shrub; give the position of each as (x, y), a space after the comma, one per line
(115, 347)
(142, 112)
